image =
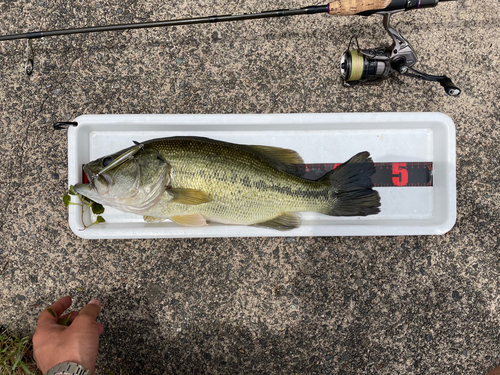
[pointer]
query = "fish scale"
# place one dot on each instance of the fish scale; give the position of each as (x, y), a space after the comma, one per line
(257, 194)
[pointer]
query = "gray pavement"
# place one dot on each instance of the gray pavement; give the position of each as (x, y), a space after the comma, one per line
(378, 305)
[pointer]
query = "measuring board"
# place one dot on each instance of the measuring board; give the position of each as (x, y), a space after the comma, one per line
(413, 153)
(386, 174)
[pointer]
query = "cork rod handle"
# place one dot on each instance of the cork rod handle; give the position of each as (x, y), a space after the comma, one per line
(351, 7)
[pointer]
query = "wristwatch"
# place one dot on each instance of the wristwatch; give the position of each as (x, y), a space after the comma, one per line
(68, 368)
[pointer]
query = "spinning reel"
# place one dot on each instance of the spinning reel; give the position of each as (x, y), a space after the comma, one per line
(375, 64)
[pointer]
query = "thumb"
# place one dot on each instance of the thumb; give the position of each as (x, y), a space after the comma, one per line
(91, 310)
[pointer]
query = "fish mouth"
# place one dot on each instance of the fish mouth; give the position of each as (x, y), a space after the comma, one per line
(90, 177)
(82, 188)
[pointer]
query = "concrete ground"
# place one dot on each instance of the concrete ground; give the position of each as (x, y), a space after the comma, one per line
(378, 305)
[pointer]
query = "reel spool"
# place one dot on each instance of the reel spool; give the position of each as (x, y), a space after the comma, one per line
(354, 67)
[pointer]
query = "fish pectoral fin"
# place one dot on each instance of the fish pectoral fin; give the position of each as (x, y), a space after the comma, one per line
(285, 221)
(194, 220)
(151, 219)
(188, 196)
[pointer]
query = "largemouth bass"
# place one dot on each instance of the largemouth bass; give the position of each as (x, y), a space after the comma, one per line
(192, 180)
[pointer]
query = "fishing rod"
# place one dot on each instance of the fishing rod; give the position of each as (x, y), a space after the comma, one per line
(357, 66)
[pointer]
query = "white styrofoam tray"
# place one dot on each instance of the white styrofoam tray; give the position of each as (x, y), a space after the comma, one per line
(318, 138)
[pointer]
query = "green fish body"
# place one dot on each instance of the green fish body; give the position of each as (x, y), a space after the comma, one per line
(195, 180)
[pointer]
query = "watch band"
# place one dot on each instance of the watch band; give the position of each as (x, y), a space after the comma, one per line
(68, 368)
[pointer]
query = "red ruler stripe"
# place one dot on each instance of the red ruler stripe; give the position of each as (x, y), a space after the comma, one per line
(393, 174)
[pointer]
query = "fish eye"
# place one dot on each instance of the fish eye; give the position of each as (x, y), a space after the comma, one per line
(106, 161)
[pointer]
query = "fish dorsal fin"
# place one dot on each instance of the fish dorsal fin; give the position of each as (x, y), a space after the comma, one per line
(285, 221)
(283, 158)
(194, 220)
(188, 196)
(151, 219)
(283, 155)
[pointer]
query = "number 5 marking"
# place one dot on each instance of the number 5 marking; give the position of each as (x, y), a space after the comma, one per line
(399, 174)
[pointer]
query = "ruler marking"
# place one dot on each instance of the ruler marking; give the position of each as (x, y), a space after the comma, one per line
(416, 174)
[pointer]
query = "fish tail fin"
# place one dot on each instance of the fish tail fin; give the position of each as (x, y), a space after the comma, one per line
(351, 188)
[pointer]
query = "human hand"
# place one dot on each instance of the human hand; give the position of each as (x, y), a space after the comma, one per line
(495, 371)
(54, 343)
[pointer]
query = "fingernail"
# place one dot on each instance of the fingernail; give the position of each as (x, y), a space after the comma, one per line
(95, 302)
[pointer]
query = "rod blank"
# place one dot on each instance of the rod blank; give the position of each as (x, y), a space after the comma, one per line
(179, 22)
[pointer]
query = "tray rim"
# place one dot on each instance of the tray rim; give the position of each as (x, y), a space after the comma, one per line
(259, 120)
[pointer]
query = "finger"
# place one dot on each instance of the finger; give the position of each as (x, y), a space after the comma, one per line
(101, 328)
(52, 313)
(91, 310)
